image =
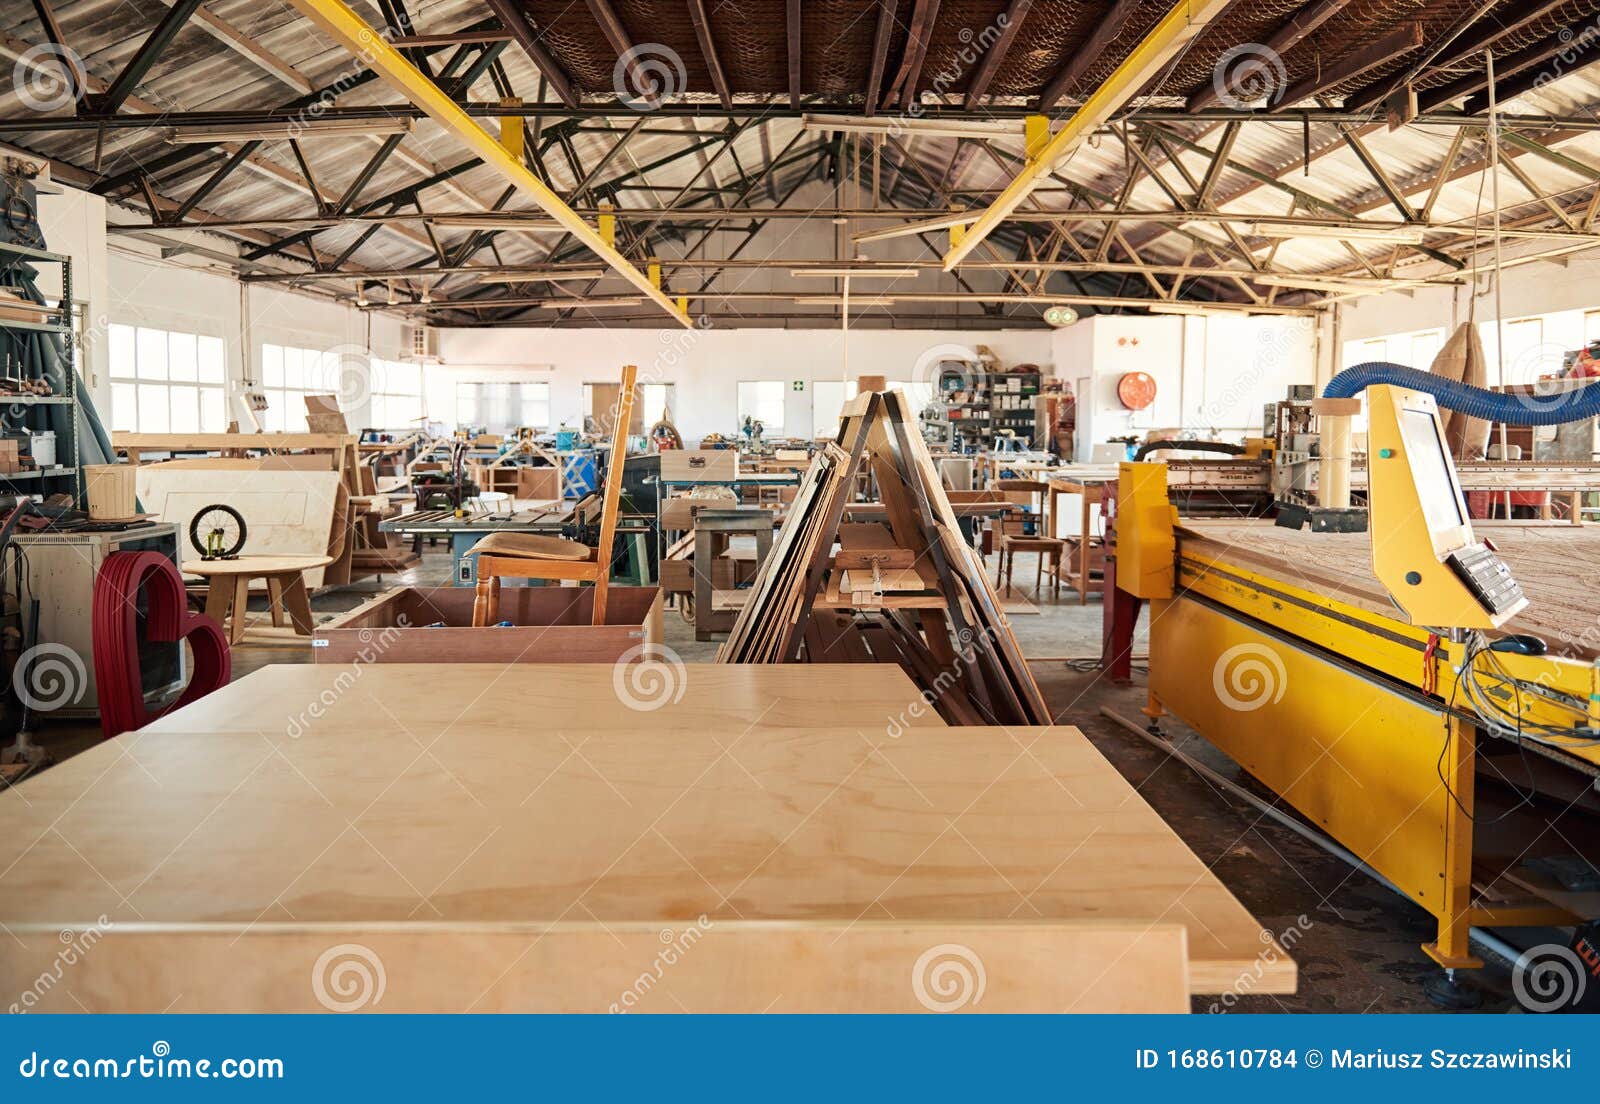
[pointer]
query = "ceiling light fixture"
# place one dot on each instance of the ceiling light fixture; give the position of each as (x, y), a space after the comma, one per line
(843, 124)
(533, 222)
(543, 276)
(1402, 235)
(293, 128)
(854, 273)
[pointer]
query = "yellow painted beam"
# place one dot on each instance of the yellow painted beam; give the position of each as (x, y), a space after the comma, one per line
(354, 34)
(1186, 19)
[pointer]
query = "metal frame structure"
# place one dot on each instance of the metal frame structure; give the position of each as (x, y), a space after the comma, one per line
(1050, 235)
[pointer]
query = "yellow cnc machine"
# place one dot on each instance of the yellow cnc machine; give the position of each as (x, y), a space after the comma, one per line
(1362, 676)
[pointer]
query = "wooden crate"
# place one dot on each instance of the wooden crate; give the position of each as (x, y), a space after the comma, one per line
(706, 464)
(550, 625)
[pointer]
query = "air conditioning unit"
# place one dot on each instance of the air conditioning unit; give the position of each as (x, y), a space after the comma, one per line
(421, 344)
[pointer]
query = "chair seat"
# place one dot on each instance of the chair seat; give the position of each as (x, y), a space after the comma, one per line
(533, 546)
(1031, 544)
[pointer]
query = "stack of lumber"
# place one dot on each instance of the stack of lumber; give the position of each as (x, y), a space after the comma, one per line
(910, 592)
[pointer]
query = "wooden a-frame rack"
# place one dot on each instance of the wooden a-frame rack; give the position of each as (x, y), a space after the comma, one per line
(938, 618)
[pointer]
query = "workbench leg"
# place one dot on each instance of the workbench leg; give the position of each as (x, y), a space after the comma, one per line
(298, 603)
(1084, 550)
(241, 608)
(275, 599)
(219, 599)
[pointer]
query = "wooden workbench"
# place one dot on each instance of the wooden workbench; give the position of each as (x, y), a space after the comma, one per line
(1557, 565)
(431, 700)
(522, 866)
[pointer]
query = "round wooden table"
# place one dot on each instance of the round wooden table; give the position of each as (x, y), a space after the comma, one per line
(230, 589)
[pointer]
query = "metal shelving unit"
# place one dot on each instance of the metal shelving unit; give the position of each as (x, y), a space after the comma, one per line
(12, 408)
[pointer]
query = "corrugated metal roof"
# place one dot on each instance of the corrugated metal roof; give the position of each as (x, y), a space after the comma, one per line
(197, 72)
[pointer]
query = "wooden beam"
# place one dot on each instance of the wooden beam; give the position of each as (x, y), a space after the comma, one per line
(1284, 39)
(1554, 57)
(516, 23)
(249, 48)
(1092, 50)
(1011, 22)
(708, 50)
(792, 21)
(880, 52)
(923, 18)
(1402, 40)
(1491, 31)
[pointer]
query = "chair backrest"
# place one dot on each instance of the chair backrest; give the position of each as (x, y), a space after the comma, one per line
(614, 466)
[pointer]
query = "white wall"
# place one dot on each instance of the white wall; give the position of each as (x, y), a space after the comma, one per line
(706, 365)
(1213, 373)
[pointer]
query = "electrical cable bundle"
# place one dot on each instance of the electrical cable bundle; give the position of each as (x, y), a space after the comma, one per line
(1494, 716)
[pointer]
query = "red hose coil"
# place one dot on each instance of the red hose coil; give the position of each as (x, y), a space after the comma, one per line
(116, 638)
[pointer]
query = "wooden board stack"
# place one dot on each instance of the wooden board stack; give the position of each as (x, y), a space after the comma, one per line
(912, 592)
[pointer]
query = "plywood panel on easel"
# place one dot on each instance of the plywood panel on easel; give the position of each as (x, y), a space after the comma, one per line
(285, 512)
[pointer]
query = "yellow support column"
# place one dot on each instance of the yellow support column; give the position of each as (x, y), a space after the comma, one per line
(356, 35)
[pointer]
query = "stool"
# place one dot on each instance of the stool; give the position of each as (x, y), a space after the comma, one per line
(712, 531)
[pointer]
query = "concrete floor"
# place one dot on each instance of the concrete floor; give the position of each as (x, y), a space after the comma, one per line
(1358, 946)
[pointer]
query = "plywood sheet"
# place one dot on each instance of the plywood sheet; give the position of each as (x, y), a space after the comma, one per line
(441, 700)
(285, 512)
(545, 868)
(1558, 567)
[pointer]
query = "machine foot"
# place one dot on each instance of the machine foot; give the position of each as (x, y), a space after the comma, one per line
(1445, 990)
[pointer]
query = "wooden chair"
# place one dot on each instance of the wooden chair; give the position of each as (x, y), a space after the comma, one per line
(532, 556)
(1032, 493)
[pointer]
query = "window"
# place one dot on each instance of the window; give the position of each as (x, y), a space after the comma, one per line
(502, 407)
(919, 392)
(288, 375)
(164, 382)
(397, 395)
(1526, 356)
(827, 404)
(763, 400)
(659, 400)
(655, 401)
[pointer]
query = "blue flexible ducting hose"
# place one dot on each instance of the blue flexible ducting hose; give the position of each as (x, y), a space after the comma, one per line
(1476, 402)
